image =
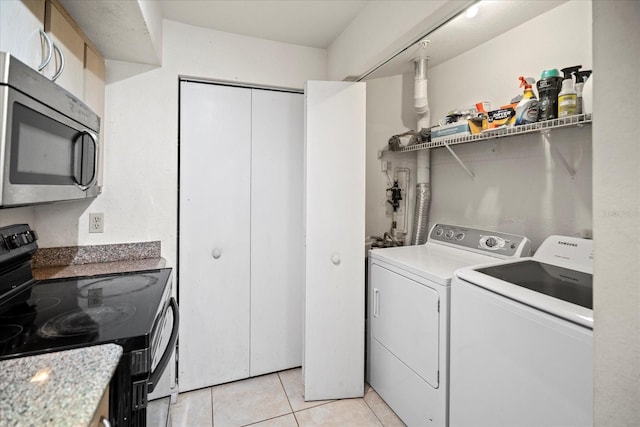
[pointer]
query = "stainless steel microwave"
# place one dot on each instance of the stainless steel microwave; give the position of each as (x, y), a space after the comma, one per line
(49, 140)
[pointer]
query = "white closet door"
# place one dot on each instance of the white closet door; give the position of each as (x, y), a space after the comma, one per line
(277, 279)
(333, 360)
(215, 161)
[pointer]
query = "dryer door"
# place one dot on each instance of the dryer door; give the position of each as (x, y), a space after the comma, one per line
(405, 319)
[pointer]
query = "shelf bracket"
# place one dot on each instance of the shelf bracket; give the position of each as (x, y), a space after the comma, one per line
(455, 156)
(546, 136)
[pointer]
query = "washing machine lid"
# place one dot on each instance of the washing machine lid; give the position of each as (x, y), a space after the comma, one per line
(431, 261)
(555, 290)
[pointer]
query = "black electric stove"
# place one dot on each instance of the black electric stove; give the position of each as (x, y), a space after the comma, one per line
(68, 313)
(134, 310)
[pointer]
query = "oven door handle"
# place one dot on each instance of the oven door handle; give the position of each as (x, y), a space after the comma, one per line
(155, 375)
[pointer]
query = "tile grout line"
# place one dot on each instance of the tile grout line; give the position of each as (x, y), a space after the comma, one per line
(287, 396)
(166, 418)
(211, 394)
(370, 408)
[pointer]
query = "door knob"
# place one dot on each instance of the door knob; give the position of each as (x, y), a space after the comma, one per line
(335, 258)
(216, 253)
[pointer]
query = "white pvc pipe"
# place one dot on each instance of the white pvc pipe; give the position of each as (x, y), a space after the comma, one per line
(423, 178)
(421, 104)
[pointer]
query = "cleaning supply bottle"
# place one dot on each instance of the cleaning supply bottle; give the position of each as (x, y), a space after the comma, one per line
(568, 97)
(527, 108)
(549, 86)
(581, 79)
(587, 96)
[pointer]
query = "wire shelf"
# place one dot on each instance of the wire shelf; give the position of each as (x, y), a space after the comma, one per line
(547, 125)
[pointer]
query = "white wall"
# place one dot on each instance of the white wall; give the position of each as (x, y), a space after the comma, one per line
(520, 184)
(141, 131)
(386, 116)
(616, 213)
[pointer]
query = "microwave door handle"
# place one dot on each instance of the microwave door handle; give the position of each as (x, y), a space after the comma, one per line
(61, 56)
(47, 59)
(155, 375)
(78, 177)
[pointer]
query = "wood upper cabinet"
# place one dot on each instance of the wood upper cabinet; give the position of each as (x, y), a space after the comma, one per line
(93, 95)
(93, 73)
(69, 40)
(20, 25)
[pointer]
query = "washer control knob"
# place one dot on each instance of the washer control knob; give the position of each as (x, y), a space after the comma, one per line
(491, 242)
(460, 236)
(216, 253)
(439, 232)
(449, 234)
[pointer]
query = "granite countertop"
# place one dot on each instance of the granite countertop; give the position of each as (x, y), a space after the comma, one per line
(56, 389)
(75, 261)
(92, 269)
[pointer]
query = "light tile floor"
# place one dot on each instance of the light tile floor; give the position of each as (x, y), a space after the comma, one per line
(273, 400)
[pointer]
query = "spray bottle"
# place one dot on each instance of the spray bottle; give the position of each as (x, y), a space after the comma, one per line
(568, 97)
(527, 108)
(581, 79)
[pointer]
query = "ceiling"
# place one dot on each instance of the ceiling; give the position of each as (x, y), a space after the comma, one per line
(314, 23)
(118, 27)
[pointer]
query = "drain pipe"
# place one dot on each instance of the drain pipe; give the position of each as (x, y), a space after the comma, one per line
(423, 179)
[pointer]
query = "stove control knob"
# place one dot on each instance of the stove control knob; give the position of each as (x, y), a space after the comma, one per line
(449, 234)
(460, 236)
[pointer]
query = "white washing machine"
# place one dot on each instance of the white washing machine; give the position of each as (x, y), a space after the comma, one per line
(408, 342)
(522, 339)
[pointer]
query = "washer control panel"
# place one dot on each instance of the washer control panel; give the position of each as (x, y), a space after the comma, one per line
(503, 245)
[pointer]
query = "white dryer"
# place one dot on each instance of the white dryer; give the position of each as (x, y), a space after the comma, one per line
(408, 342)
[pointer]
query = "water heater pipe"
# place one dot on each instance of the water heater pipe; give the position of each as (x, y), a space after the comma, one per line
(423, 179)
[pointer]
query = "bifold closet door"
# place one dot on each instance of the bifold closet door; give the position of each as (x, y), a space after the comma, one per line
(333, 362)
(215, 185)
(277, 281)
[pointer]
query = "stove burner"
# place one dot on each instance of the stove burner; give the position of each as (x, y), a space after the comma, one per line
(8, 332)
(46, 303)
(25, 313)
(86, 321)
(113, 286)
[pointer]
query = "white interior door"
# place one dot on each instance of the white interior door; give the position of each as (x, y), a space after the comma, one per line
(333, 359)
(277, 279)
(215, 161)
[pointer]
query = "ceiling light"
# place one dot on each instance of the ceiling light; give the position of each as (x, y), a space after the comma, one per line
(471, 11)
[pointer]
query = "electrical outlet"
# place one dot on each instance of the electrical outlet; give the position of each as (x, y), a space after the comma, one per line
(385, 165)
(96, 222)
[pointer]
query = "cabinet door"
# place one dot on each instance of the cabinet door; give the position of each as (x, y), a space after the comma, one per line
(277, 279)
(333, 360)
(69, 40)
(20, 25)
(93, 95)
(214, 265)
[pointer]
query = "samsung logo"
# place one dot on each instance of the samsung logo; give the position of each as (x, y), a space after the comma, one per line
(567, 244)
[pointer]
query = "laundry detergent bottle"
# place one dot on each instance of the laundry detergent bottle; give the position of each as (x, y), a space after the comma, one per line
(549, 86)
(527, 108)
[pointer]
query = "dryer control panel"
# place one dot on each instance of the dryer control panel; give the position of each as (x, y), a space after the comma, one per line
(498, 244)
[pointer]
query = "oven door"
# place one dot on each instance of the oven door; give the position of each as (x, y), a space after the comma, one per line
(129, 386)
(162, 351)
(44, 155)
